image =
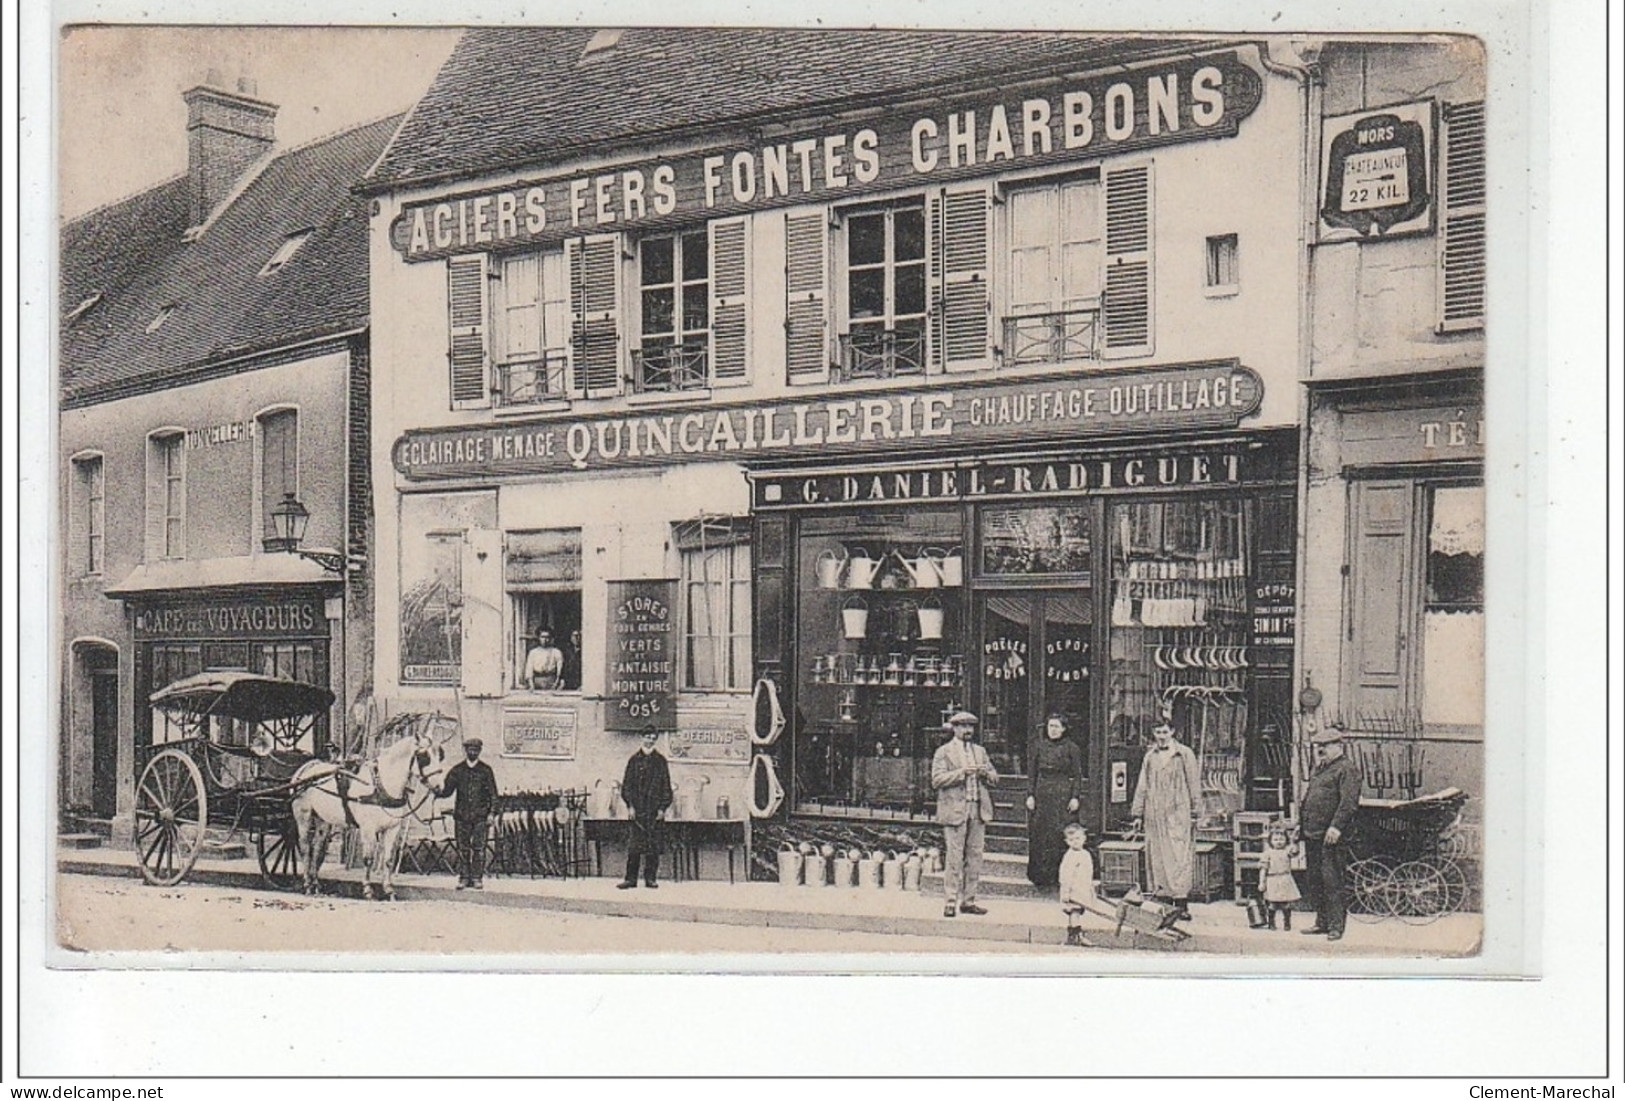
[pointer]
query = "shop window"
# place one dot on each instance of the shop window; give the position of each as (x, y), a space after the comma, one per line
(1461, 232)
(716, 623)
(1414, 657)
(531, 337)
(86, 542)
(279, 463)
(883, 292)
(166, 495)
(1054, 230)
(880, 662)
(543, 580)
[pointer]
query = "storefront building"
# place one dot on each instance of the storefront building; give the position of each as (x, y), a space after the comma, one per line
(798, 411)
(1393, 601)
(218, 374)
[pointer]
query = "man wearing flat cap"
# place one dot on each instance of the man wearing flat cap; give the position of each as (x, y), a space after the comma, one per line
(1324, 813)
(962, 776)
(474, 785)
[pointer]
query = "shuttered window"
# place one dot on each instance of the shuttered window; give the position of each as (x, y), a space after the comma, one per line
(467, 349)
(166, 496)
(1127, 301)
(806, 272)
(1053, 293)
(961, 246)
(730, 307)
(531, 318)
(1461, 234)
(85, 531)
(595, 312)
(883, 285)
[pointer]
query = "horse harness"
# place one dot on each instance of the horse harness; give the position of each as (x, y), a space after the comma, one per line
(343, 778)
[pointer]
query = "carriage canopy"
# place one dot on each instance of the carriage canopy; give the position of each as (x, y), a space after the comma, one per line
(251, 697)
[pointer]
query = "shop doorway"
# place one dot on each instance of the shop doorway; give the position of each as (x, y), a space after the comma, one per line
(1036, 648)
(104, 742)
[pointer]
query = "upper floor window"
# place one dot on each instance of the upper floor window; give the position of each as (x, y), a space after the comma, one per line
(1055, 254)
(884, 292)
(166, 495)
(674, 300)
(279, 463)
(285, 251)
(1461, 230)
(531, 308)
(85, 535)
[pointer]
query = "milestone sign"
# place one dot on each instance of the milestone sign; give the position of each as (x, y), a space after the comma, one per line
(1071, 406)
(1190, 99)
(641, 679)
(1378, 172)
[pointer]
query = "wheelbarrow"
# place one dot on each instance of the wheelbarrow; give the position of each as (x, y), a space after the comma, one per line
(1154, 919)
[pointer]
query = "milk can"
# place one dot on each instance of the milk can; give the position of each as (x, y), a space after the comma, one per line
(910, 879)
(846, 868)
(813, 865)
(789, 865)
(891, 872)
(869, 870)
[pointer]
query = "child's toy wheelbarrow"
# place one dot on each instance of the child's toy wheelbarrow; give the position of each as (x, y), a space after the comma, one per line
(1154, 919)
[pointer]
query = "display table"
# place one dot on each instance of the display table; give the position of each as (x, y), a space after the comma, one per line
(684, 838)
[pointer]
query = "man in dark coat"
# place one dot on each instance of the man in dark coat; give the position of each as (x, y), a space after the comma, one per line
(1328, 805)
(646, 789)
(474, 785)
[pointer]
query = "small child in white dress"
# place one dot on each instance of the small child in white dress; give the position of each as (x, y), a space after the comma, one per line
(1275, 879)
(1078, 884)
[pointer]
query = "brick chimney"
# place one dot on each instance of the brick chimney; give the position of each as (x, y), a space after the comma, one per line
(226, 132)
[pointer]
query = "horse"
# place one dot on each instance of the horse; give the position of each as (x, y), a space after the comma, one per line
(397, 782)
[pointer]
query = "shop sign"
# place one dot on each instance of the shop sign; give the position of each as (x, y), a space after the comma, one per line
(1181, 397)
(1275, 612)
(1066, 660)
(243, 619)
(219, 435)
(1004, 479)
(1429, 434)
(1004, 658)
(641, 678)
(1189, 99)
(718, 740)
(544, 734)
(1377, 170)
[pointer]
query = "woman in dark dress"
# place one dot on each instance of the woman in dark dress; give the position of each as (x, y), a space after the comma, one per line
(1052, 800)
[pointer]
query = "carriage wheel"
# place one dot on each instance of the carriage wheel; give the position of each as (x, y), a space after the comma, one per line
(1368, 894)
(1417, 892)
(1455, 883)
(279, 854)
(171, 814)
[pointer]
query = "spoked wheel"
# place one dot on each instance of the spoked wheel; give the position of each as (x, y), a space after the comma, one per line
(171, 813)
(279, 854)
(1455, 883)
(1368, 889)
(1418, 893)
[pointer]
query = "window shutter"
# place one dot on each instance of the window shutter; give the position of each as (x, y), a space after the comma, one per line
(1380, 612)
(595, 312)
(155, 498)
(960, 231)
(466, 305)
(1461, 237)
(1127, 298)
(806, 316)
(730, 310)
(483, 651)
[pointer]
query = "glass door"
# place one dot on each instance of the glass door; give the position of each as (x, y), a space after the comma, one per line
(1036, 651)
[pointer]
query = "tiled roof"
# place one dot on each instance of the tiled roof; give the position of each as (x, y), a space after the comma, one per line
(525, 97)
(135, 255)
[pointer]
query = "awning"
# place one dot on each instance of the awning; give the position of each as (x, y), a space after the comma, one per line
(242, 571)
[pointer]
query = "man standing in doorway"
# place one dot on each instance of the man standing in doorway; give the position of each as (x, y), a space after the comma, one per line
(962, 776)
(1328, 806)
(474, 785)
(646, 788)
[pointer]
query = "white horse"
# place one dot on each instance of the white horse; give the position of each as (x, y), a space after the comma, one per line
(376, 800)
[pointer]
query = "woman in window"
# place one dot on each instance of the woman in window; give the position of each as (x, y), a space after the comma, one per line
(1052, 800)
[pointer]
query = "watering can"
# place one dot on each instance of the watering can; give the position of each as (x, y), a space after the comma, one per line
(860, 569)
(869, 870)
(846, 868)
(912, 867)
(925, 571)
(891, 871)
(854, 617)
(952, 568)
(931, 859)
(829, 568)
(789, 865)
(814, 868)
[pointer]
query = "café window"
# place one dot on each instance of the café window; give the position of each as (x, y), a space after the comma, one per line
(279, 463)
(531, 328)
(1055, 252)
(543, 581)
(166, 495)
(716, 624)
(1414, 643)
(86, 540)
(883, 276)
(880, 634)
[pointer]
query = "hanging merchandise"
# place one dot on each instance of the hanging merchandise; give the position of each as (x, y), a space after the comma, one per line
(767, 794)
(829, 569)
(767, 721)
(931, 615)
(855, 617)
(860, 569)
(952, 567)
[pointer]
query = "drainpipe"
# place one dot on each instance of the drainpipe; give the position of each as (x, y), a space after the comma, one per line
(1299, 59)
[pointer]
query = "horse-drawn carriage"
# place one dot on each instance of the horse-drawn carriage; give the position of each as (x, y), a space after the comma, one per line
(242, 760)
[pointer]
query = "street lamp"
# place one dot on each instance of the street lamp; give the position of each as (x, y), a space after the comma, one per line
(288, 520)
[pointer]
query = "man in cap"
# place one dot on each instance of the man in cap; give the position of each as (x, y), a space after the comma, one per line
(1324, 813)
(474, 786)
(646, 788)
(962, 776)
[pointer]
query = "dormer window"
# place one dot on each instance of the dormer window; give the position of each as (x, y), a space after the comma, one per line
(163, 315)
(602, 41)
(83, 307)
(285, 252)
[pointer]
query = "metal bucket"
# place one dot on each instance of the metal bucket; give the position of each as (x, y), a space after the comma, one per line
(869, 871)
(845, 868)
(814, 870)
(1257, 915)
(789, 865)
(930, 620)
(910, 879)
(854, 618)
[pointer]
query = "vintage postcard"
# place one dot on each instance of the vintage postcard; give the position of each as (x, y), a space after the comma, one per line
(582, 492)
